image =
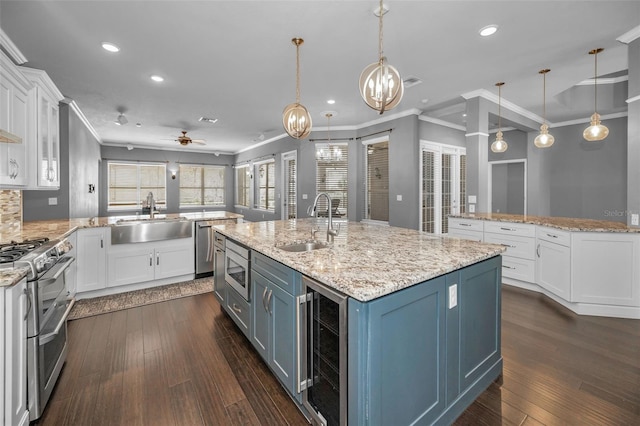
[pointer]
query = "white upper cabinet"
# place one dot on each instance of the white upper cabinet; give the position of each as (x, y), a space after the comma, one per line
(14, 89)
(44, 131)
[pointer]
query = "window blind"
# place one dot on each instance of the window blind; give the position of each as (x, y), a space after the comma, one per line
(201, 185)
(265, 173)
(291, 177)
(243, 186)
(332, 162)
(377, 181)
(129, 184)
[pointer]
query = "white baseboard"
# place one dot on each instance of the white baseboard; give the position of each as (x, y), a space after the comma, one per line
(131, 287)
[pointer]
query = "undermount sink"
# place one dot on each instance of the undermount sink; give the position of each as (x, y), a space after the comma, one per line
(306, 246)
(146, 230)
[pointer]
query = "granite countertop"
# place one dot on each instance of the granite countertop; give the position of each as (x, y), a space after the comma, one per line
(12, 276)
(365, 261)
(565, 223)
(59, 228)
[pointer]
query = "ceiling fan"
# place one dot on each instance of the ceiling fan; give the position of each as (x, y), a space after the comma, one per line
(186, 140)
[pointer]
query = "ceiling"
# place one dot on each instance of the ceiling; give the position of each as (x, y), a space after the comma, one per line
(234, 60)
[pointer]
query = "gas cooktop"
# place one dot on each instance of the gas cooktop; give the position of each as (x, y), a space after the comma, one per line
(14, 250)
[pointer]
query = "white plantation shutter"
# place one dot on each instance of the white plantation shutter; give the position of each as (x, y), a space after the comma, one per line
(202, 185)
(243, 186)
(291, 176)
(265, 173)
(377, 181)
(332, 176)
(428, 191)
(129, 184)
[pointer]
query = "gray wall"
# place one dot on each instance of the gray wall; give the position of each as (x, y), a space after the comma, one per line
(589, 179)
(172, 158)
(79, 156)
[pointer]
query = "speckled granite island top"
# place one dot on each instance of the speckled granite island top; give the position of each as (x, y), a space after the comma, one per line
(12, 276)
(365, 261)
(565, 223)
(59, 228)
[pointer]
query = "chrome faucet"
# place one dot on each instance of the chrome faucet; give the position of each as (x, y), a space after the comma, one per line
(151, 203)
(314, 212)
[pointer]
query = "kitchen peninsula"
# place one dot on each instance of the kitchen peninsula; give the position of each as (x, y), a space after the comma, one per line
(422, 317)
(588, 266)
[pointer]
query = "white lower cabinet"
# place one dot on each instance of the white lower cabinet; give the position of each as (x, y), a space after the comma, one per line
(467, 229)
(14, 355)
(136, 263)
(553, 268)
(91, 258)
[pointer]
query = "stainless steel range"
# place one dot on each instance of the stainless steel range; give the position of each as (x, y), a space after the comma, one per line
(49, 304)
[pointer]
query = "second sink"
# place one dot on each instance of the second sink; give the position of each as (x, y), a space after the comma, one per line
(306, 246)
(144, 231)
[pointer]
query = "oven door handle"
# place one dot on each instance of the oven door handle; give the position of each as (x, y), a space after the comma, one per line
(50, 336)
(60, 267)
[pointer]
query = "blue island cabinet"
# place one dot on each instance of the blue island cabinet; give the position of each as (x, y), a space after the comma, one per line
(423, 354)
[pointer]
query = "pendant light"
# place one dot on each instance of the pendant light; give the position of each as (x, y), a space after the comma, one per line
(499, 145)
(380, 85)
(544, 139)
(295, 117)
(596, 131)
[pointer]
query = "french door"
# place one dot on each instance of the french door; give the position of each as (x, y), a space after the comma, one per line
(289, 180)
(443, 170)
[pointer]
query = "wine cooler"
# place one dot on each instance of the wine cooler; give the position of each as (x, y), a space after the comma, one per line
(322, 353)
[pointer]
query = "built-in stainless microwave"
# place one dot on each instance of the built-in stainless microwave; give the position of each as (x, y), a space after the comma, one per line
(236, 268)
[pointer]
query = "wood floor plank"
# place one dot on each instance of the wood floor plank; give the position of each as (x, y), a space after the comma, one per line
(81, 408)
(157, 395)
(94, 355)
(152, 341)
(241, 414)
(133, 394)
(184, 404)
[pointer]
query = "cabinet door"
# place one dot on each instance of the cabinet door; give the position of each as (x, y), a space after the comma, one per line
(261, 318)
(282, 347)
(174, 258)
(16, 356)
(130, 266)
(219, 283)
(18, 152)
(553, 268)
(91, 259)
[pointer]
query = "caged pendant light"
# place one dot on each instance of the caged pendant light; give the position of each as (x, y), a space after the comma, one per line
(499, 145)
(544, 139)
(596, 131)
(381, 86)
(295, 117)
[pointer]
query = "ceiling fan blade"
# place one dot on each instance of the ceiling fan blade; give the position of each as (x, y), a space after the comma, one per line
(198, 141)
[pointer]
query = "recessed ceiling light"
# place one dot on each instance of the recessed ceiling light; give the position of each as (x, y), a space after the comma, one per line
(110, 47)
(488, 30)
(464, 115)
(331, 101)
(157, 78)
(138, 124)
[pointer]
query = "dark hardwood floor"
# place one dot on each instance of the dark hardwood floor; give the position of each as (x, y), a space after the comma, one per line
(183, 362)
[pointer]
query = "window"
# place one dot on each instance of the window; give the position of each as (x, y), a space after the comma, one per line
(201, 185)
(266, 184)
(443, 186)
(243, 186)
(129, 184)
(331, 177)
(376, 179)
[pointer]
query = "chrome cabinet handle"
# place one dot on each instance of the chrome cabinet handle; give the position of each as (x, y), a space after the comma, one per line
(552, 236)
(299, 301)
(508, 229)
(101, 241)
(270, 310)
(465, 224)
(538, 250)
(29, 303)
(508, 267)
(150, 259)
(157, 258)
(236, 308)
(50, 336)
(264, 303)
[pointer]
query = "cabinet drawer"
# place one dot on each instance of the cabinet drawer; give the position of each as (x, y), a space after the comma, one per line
(466, 224)
(467, 235)
(510, 228)
(283, 276)
(522, 247)
(519, 269)
(238, 310)
(554, 235)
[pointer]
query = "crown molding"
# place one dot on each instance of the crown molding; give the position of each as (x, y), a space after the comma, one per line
(592, 81)
(633, 99)
(630, 35)
(75, 108)
(264, 142)
(468, 135)
(12, 50)
(587, 120)
(155, 148)
(42, 80)
(441, 122)
(492, 97)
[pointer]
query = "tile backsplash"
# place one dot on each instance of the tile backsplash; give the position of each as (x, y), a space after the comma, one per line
(10, 210)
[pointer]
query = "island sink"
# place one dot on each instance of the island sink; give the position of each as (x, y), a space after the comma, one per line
(304, 247)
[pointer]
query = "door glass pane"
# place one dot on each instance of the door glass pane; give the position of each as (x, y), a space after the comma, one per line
(378, 181)
(332, 178)
(428, 191)
(463, 184)
(290, 180)
(446, 187)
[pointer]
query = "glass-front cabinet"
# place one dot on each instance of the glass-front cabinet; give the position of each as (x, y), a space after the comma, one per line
(44, 109)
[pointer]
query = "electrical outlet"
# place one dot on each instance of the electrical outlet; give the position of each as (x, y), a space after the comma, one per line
(472, 208)
(304, 196)
(472, 199)
(53, 201)
(635, 219)
(453, 296)
(399, 197)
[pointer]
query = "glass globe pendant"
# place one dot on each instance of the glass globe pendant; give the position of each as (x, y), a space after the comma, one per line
(499, 145)
(380, 85)
(544, 139)
(295, 117)
(596, 131)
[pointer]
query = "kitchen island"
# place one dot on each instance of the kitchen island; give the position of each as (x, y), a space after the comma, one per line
(422, 320)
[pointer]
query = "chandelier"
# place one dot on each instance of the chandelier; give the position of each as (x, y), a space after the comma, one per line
(596, 131)
(381, 86)
(499, 145)
(295, 117)
(544, 139)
